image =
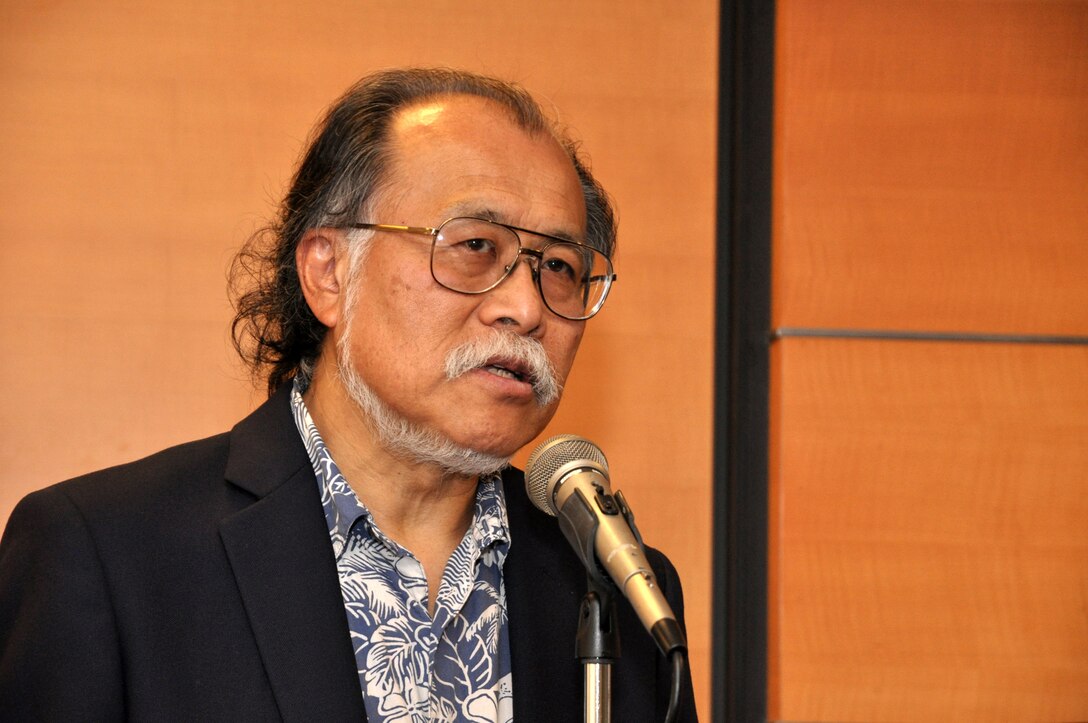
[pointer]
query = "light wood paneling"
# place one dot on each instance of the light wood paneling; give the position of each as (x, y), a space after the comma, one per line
(142, 143)
(932, 165)
(929, 546)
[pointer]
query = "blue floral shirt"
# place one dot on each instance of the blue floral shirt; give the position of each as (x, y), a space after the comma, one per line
(414, 668)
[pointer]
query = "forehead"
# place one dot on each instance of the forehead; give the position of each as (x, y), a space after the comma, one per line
(462, 155)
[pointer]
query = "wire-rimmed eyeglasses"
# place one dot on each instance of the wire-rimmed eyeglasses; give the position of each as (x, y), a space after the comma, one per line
(474, 255)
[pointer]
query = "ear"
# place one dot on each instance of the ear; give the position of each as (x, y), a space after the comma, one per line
(318, 259)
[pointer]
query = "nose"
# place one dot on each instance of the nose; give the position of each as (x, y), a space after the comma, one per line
(515, 304)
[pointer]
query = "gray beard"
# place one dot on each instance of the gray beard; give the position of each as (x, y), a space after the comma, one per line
(415, 443)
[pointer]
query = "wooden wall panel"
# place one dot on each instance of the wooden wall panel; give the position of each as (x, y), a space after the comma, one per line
(142, 144)
(928, 546)
(928, 524)
(931, 171)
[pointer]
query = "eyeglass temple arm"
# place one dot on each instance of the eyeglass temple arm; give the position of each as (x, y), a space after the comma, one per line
(425, 230)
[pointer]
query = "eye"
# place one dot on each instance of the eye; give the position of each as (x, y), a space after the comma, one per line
(478, 245)
(559, 266)
(567, 262)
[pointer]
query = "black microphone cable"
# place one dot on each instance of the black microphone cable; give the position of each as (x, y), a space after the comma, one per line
(679, 660)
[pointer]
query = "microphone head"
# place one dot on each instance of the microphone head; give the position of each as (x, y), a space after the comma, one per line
(555, 458)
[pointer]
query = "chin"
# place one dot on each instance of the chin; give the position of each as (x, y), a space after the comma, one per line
(501, 434)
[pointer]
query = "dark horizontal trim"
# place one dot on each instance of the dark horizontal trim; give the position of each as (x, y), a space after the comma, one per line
(893, 335)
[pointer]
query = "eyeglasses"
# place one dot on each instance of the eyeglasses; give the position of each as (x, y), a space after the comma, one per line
(474, 255)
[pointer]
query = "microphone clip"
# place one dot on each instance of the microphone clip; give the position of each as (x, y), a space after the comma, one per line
(579, 525)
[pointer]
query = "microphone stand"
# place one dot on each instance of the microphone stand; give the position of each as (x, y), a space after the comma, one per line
(598, 642)
(598, 646)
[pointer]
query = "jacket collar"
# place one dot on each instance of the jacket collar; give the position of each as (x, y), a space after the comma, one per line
(282, 559)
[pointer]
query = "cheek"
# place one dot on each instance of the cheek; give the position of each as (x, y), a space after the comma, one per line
(395, 298)
(564, 351)
(412, 329)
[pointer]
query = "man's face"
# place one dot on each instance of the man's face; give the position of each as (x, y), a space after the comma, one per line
(462, 156)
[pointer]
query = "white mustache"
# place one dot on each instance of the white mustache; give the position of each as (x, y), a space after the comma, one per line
(524, 351)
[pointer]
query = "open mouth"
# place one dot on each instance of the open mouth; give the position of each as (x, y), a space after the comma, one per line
(521, 360)
(509, 371)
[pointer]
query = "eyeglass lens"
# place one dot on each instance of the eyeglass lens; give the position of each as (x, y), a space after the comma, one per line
(473, 255)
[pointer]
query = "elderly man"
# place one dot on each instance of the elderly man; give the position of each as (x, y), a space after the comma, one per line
(357, 548)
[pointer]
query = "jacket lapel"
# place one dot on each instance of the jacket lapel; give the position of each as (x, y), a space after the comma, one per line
(282, 560)
(544, 586)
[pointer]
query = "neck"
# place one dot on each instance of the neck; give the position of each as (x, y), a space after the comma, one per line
(420, 505)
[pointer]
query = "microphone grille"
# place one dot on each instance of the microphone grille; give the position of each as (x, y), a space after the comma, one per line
(549, 457)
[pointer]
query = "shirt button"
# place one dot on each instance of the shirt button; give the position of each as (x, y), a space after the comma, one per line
(409, 567)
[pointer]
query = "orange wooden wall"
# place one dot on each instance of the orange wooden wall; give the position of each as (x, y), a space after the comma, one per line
(143, 142)
(929, 499)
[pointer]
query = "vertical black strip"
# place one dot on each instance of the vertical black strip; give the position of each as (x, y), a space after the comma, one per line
(742, 328)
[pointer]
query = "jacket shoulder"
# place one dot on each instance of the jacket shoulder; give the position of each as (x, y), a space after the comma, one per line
(167, 476)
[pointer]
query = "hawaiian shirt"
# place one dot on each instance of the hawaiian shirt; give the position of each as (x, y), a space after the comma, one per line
(414, 668)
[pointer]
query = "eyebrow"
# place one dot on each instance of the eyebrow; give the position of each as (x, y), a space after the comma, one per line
(486, 212)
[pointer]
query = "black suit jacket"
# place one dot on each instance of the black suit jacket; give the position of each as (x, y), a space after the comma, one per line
(199, 584)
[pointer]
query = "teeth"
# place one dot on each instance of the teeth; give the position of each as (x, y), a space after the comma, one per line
(500, 371)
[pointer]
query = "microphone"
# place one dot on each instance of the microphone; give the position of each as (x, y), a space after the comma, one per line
(567, 477)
